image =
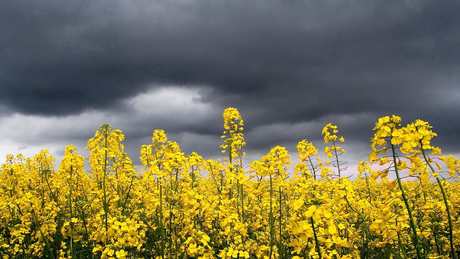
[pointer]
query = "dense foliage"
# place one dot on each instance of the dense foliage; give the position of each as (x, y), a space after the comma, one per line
(183, 206)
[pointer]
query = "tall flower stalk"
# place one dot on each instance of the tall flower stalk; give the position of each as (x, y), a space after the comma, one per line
(306, 151)
(105, 147)
(274, 166)
(388, 127)
(329, 132)
(422, 137)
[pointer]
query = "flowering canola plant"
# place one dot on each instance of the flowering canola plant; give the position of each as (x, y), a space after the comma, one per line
(186, 206)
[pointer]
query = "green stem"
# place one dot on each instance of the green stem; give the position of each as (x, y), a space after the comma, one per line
(452, 249)
(400, 243)
(170, 229)
(272, 223)
(280, 224)
(127, 196)
(242, 202)
(105, 129)
(312, 168)
(367, 232)
(47, 243)
(409, 211)
(72, 250)
(82, 212)
(451, 240)
(336, 158)
(162, 234)
(318, 249)
(368, 190)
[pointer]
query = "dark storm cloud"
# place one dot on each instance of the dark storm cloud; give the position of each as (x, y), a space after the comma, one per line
(277, 61)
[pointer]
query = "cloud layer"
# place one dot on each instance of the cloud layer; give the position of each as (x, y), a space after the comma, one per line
(290, 67)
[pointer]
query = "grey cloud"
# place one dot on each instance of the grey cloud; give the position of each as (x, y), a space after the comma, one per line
(279, 62)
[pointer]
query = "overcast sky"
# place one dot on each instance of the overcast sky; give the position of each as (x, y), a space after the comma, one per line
(290, 67)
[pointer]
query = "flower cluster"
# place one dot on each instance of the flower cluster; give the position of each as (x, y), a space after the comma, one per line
(184, 206)
(329, 132)
(233, 136)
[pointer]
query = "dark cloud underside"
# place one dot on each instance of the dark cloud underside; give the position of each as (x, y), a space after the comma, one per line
(277, 61)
